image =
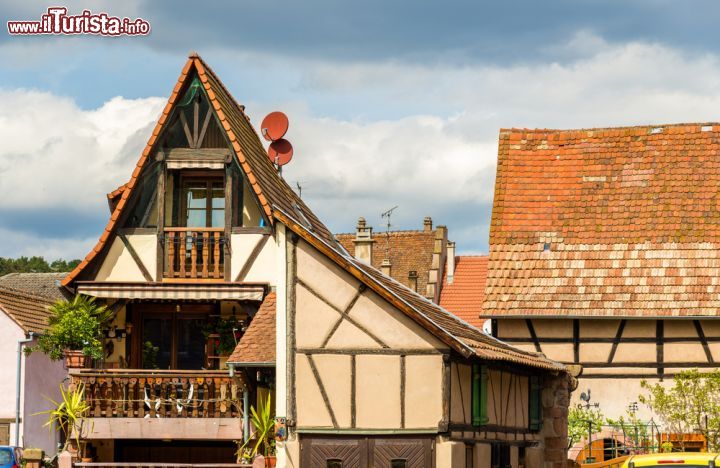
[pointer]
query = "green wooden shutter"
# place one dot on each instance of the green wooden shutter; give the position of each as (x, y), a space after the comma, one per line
(535, 398)
(479, 395)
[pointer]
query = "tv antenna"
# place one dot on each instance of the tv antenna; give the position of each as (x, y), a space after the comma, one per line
(387, 214)
(299, 187)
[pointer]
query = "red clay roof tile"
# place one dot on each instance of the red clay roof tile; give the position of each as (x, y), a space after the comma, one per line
(615, 222)
(465, 295)
(257, 345)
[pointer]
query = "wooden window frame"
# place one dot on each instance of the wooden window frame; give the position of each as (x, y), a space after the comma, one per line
(208, 177)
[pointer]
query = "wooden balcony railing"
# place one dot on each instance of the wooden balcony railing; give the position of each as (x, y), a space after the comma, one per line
(194, 253)
(140, 393)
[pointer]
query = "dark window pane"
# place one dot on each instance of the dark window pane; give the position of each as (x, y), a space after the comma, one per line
(334, 463)
(156, 343)
(398, 463)
(6, 457)
(190, 344)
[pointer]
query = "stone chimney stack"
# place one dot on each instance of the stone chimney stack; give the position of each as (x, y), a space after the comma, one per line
(386, 267)
(450, 262)
(363, 242)
(413, 280)
(427, 224)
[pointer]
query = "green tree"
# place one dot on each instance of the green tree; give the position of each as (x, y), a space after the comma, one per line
(34, 265)
(691, 404)
(579, 419)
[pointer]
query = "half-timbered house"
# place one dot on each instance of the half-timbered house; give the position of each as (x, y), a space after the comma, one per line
(604, 252)
(365, 371)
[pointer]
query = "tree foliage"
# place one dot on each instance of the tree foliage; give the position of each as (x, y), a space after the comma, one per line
(579, 420)
(34, 265)
(74, 325)
(691, 404)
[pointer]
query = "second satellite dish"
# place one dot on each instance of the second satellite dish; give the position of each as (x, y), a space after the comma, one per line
(280, 152)
(274, 126)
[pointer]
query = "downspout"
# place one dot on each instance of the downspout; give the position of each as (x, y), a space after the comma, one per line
(18, 371)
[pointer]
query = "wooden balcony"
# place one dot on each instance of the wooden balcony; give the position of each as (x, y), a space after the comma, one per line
(141, 393)
(194, 253)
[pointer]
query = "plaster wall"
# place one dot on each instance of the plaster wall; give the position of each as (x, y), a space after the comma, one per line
(119, 265)
(10, 333)
(263, 269)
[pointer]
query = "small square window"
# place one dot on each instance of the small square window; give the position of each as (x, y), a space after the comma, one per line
(398, 463)
(334, 463)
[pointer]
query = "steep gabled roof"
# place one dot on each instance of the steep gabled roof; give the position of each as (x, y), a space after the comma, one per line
(257, 345)
(464, 297)
(29, 311)
(260, 173)
(457, 334)
(606, 222)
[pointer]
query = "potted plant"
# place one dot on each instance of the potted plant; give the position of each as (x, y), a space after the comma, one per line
(75, 331)
(263, 437)
(68, 417)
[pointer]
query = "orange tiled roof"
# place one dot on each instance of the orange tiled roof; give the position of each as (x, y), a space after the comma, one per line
(269, 187)
(608, 222)
(408, 251)
(29, 311)
(257, 345)
(465, 295)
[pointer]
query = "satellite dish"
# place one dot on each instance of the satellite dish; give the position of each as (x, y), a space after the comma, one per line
(280, 152)
(274, 126)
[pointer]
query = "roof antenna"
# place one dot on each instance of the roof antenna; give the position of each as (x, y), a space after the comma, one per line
(387, 214)
(299, 187)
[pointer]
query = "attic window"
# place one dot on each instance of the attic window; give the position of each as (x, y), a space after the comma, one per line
(706, 128)
(546, 247)
(656, 130)
(302, 218)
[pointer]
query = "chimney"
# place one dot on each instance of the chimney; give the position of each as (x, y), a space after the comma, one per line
(363, 242)
(450, 262)
(386, 267)
(427, 223)
(413, 280)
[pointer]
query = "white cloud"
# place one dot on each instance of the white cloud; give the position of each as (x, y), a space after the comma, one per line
(55, 154)
(434, 156)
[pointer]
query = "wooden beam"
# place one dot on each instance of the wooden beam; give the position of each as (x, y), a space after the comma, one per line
(227, 249)
(353, 391)
(533, 335)
(402, 391)
(446, 394)
(136, 258)
(196, 121)
(341, 312)
(616, 340)
(209, 154)
(576, 340)
(206, 122)
(703, 341)
(290, 354)
(345, 313)
(186, 128)
(324, 394)
(378, 351)
(660, 336)
(252, 257)
(160, 265)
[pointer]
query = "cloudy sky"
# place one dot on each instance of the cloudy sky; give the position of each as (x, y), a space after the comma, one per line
(390, 102)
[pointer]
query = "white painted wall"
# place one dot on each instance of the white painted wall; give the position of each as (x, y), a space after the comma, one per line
(10, 333)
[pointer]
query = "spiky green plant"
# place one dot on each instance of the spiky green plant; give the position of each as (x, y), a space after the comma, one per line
(68, 414)
(264, 434)
(77, 325)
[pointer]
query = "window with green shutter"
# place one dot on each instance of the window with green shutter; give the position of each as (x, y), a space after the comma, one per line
(535, 398)
(479, 395)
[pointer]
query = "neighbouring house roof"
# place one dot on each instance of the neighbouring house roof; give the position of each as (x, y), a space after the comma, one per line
(37, 284)
(606, 222)
(257, 345)
(262, 176)
(407, 251)
(29, 311)
(465, 295)
(454, 332)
